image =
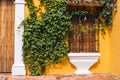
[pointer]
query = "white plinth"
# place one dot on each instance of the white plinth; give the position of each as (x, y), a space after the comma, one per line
(83, 61)
(18, 69)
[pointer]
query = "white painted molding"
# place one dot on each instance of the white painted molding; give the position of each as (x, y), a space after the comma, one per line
(18, 67)
(83, 61)
(19, 2)
(84, 54)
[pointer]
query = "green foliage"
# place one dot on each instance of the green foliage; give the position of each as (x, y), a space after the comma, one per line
(104, 13)
(44, 39)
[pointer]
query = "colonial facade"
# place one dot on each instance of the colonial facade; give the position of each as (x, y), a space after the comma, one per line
(109, 46)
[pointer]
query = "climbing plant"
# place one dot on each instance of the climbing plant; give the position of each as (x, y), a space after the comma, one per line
(104, 14)
(105, 17)
(44, 36)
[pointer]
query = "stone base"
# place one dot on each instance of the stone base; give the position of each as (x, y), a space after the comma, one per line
(83, 61)
(18, 70)
(81, 72)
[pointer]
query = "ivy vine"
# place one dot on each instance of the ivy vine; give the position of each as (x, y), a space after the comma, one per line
(44, 39)
(44, 36)
(105, 17)
(104, 13)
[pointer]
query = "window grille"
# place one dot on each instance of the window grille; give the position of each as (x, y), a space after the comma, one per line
(84, 39)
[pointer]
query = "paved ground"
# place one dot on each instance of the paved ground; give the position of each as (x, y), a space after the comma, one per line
(61, 77)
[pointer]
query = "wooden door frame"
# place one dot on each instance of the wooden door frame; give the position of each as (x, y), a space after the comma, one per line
(18, 67)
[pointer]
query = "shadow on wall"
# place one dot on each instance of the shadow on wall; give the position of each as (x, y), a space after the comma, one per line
(65, 67)
(95, 65)
(62, 68)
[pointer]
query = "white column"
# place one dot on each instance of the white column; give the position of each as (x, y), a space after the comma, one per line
(18, 67)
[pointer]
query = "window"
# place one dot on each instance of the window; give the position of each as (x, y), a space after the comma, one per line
(84, 39)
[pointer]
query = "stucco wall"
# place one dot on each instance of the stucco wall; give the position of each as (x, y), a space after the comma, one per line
(102, 66)
(115, 43)
(109, 50)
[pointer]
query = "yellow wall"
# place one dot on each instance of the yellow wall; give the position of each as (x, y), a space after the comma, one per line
(102, 66)
(109, 49)
(115, 43)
